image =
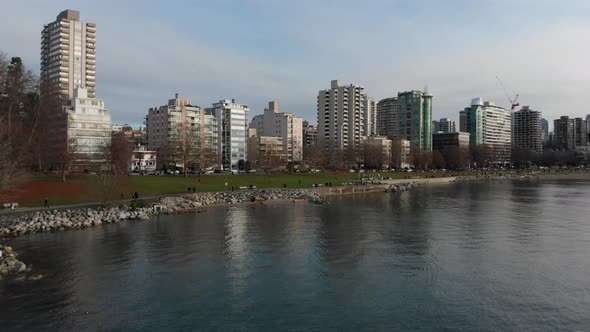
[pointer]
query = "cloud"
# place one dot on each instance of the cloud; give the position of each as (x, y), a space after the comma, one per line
(263, 50)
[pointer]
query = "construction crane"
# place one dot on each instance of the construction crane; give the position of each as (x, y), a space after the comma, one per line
(513, 101)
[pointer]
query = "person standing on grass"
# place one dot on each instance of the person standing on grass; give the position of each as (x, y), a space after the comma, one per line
(46, 203)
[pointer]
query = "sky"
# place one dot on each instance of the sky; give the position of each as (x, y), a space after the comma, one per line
(261, 50)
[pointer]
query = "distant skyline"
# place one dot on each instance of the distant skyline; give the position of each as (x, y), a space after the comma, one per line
(257, 51)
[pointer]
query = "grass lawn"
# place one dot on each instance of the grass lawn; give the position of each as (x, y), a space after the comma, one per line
(83, 189)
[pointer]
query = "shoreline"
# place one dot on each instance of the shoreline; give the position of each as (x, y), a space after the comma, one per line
(70, 219)
(79, 218)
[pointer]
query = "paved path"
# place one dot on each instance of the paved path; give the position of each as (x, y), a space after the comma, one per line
(81, 205)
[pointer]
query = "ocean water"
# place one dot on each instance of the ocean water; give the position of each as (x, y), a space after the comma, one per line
(512, 256)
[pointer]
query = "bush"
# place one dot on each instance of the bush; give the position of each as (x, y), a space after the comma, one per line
(137, 204)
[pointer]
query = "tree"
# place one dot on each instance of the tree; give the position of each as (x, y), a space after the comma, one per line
(241, 164)
(438, 160)
(419, 158)
(347, 158)
(481, 155)
(121, 151)
(315, 157)
(207, 158)
(373, 156)
(163, 157)
(108, 183)
(67, 157)
(11, 171)
(456, 157)
(184, 145)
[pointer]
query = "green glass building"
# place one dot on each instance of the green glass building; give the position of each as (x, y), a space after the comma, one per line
(415, 118)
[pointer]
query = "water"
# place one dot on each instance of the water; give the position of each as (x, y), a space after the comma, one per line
(490, 256)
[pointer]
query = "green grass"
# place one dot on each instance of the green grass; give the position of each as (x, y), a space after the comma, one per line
(160, 185)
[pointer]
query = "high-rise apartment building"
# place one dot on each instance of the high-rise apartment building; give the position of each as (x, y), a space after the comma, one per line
(232, 120)
(527, 129)
(415, 118)
(310, 134)
(488, 124)
(581, 134)
(443, 125)
(179, 119)
(564, 133)
(341, 123)
(544, 131)
(288, 127)
(370, 117)
(68, 57)
(388, 117)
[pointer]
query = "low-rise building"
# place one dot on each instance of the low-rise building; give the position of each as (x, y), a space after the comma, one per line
(442, 141)
(266, 152)
(400, 153)
(88, 129)
(143, 160)
(378, 152)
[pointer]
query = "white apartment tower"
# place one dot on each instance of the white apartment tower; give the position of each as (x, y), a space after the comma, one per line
(341, 123)
(88, 128)
(284, 125)
(232, 121)
(370, 117)
(68, 58)
(489, 125)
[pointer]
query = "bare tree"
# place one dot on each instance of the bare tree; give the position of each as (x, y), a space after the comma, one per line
(373, 156)
(419, 158)
(185, 145)
(108, 183)
(315, 156)
(121, 150)
(12, 171)
(208, 157)
(438, 160)
(67, 157)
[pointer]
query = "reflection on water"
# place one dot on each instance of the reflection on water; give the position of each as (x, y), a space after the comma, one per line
(500, 255)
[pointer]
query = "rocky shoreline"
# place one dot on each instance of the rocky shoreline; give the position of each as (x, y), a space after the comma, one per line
(484, 177)
(62, 220)
(10, 266)
(394, 188)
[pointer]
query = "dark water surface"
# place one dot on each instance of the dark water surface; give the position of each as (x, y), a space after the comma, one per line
(491, 256)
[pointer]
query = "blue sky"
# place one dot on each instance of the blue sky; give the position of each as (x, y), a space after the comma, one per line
(257, 51)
